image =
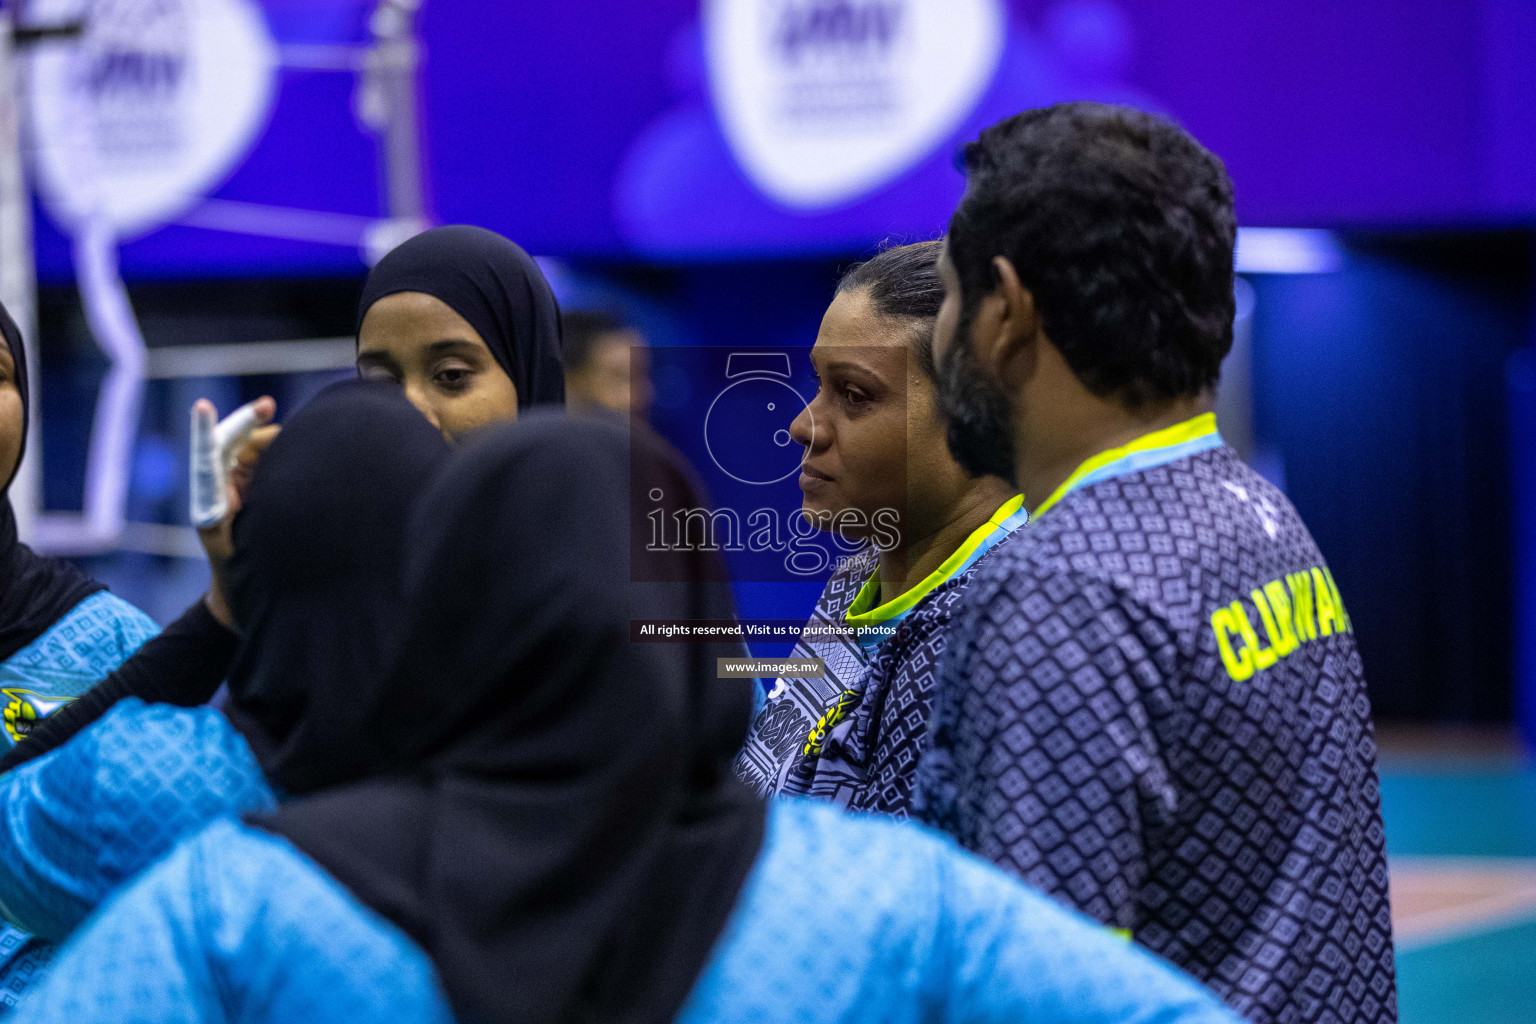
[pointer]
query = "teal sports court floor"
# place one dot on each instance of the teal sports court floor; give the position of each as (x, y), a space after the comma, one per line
(1461, 835)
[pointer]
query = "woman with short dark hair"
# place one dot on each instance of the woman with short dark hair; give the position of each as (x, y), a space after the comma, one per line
(878, 471)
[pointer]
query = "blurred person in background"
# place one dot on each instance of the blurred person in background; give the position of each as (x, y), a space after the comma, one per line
(464, 322)
(532, 818)
(875, 443)
(607, 366)
(314, 587)
(1152, 705)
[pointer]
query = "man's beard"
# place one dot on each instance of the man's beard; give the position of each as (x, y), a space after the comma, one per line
(978, 414)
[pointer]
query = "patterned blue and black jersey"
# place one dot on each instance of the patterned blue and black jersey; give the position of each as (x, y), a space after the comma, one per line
(852, 735)
(1152, 707)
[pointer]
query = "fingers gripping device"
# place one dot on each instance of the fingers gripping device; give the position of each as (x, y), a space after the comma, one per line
(214, 448)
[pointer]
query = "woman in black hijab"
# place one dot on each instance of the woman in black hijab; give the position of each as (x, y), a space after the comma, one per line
(464, 320)
(534, 819)
(315, 586)
(314, 583)
(60, 632)
(565, 814)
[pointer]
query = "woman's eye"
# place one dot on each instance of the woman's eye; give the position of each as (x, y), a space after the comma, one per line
(855, 398)
(453, 378)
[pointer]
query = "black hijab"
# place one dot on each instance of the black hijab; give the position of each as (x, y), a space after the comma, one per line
(314, 583)
(35, 592)
(496, 286)
(548, 808)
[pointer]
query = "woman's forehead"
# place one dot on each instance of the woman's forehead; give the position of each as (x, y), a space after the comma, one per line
(410, 319)
(854, 335)
(852, 321)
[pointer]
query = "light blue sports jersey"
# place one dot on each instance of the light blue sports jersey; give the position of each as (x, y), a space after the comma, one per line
(78, 822)
(77, 652)
(237, 925)
(81, 820)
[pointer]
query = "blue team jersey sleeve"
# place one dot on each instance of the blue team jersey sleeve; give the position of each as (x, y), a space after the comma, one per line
(80, 821)
(1010, 953)
(237, 925)
(835, 924)
(90, 641)
(849, 918)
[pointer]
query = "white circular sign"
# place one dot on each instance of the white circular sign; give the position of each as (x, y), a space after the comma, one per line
(824, 101)
(148, 111)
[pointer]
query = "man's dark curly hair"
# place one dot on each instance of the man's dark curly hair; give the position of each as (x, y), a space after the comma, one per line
(1121, 226)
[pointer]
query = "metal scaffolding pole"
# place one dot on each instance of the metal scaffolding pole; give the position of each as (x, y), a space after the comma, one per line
(386, 103)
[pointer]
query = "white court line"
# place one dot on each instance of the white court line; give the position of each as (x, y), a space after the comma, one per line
(1499, 892)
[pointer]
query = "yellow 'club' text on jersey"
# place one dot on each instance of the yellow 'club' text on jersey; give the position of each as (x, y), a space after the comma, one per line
(1297, 608)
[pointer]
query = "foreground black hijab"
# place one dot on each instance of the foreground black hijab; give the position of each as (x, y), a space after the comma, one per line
(329, 514)
(494, 285)
(548, 808)
(35, 592)
(314, 583)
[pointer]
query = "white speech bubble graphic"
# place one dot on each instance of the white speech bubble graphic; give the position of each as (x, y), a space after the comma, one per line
(150, 109)
(824, 101)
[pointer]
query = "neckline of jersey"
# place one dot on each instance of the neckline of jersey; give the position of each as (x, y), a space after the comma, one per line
(864, 613)
(1158, 448)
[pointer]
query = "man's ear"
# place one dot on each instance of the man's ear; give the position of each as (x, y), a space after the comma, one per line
(1015, 348)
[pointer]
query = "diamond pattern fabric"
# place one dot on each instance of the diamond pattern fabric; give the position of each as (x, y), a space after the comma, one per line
(1154, 710)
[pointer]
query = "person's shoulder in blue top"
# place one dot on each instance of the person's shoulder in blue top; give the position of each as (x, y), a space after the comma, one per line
(236, 924)
(60, 632)
(85, 818)
(80, 820)
(79, 650)
(901, 925)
